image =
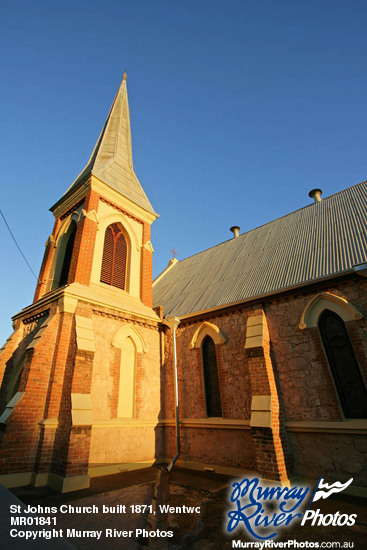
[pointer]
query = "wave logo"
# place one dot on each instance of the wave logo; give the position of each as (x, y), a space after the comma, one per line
(324, 490)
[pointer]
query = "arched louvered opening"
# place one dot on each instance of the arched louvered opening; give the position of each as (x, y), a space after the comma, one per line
(114, 257)
(347, 376)
(70, 236)
(211, 379)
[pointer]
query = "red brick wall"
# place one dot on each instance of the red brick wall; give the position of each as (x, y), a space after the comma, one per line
(83, 252)
(72, 443)
(226, 447)
(146, 270)
(78, 451)
(20, 441)
(52, 370)
(85, 238)
(82, 258)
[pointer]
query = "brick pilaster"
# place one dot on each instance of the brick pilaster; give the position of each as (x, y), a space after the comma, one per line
(273, 456)
(60, 373)
(77, 459)
(146, 270)
(85, 238)
(72, 442)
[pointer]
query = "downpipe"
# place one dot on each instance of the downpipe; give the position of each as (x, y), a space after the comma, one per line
(173, 323)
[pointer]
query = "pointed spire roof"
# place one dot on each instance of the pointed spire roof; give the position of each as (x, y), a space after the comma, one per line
(111, 159)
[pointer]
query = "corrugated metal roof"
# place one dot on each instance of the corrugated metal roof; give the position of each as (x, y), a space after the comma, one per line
(318, 241)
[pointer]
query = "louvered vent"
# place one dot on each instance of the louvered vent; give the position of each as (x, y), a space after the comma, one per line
(113, 270)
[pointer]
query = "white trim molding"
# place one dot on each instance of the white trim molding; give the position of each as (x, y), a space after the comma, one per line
(324, 300)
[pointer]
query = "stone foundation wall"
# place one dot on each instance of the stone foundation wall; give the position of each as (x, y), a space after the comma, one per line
(335, 457)
(232, 448)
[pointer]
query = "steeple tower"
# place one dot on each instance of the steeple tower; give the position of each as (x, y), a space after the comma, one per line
(112, 160)
(79, 356)
(108, 178)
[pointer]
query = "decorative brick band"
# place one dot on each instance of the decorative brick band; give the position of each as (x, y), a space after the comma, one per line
(74, 207)
(136, 320)
(36, 316)
(121, 210)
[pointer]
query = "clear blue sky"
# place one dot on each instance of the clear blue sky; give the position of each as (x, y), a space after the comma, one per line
(238, 109)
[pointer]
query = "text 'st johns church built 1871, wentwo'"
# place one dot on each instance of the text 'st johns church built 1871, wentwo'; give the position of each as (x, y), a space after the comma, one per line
(269, 328)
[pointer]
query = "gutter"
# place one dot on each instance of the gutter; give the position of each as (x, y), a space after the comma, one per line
(361, 269)
(355, 270)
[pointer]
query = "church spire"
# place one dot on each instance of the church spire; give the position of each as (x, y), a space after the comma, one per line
(114, 143)
(111, 159)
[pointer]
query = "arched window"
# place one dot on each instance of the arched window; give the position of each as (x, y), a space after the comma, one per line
(70, 238)
(114, 257)
(211, 380)
(343, 364)
(132, 345)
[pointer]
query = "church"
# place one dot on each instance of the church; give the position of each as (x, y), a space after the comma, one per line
(250, 356)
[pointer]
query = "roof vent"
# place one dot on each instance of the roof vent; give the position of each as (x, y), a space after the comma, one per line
(315, 194)
(235, 230)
